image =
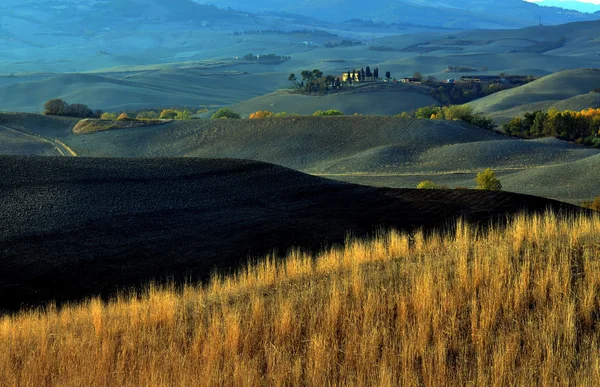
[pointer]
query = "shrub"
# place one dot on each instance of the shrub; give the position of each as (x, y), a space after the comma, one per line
(285, 114)
(261, 114)
(124, 117)
(108, 116)
(331, 112)
(487, 180)
(147, 115)
(225, 113)
(168, 114)
(427, 111)
(183, 115)
(427, 184)
(592, 204)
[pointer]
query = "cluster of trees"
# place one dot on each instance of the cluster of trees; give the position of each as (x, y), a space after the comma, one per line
(315, 81)
(582, 127)
(460, 93)
(343, 43)
(285, 32)
(268, 114)
(166, 114)
(266, 58)
(453, 112)
(485, 180)
(365, 75)
(225, 113)
(318, 113)
(331, 112)
(58, 107)
(454, 93)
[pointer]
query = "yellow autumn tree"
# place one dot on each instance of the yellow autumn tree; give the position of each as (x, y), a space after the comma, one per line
(261, 114)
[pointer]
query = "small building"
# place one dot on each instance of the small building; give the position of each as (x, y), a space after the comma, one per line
(481, 79)
(353, 76)
(416, 81)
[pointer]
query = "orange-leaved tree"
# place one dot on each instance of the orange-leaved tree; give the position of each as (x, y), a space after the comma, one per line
(261, 114)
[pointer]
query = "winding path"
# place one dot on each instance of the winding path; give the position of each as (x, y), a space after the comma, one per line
(62, 148)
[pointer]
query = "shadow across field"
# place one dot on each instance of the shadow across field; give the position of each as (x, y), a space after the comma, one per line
(77, 227)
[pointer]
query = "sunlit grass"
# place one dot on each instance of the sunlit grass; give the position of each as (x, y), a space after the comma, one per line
(518, 305)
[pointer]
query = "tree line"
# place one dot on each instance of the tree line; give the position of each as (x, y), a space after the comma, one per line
(266, 58)
(315, 81)
(582, 127)
(58, 107)
(454, 112)
(284, 32)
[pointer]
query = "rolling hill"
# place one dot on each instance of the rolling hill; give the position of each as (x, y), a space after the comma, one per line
(143, 90)
(385, 100)
(75, 227)
(569, 89)
(448, 13)
(381, 151)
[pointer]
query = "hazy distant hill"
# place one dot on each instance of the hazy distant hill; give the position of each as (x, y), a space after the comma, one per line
(450, 13)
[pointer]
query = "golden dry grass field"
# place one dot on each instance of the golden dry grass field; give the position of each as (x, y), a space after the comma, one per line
(518, 305)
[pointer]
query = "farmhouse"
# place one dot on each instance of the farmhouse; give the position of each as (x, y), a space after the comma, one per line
(355, 76)
(481, 78)
(411, 80)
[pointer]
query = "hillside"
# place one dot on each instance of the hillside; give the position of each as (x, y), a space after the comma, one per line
(566, 89)
(448, 13)
(142, 90)
(381, 151)
(496, 305)
(381, 100)
(73, 227)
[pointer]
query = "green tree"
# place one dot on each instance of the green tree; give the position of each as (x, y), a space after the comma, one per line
(417, 75)
(147, 115)
(56, 107)
(487, 180)
(183, 115)
(168, 114)
(292, 78)
(427, 111)
(388, 75)
(320, 113)
(514, 127)
(225, 113)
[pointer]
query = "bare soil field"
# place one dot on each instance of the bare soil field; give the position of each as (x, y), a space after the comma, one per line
(382, 151)
(75, 227)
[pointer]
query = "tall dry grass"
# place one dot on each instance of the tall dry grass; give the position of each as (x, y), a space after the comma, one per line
(514, 306)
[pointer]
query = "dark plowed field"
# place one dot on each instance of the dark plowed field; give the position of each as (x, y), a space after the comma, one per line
(71, 228)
